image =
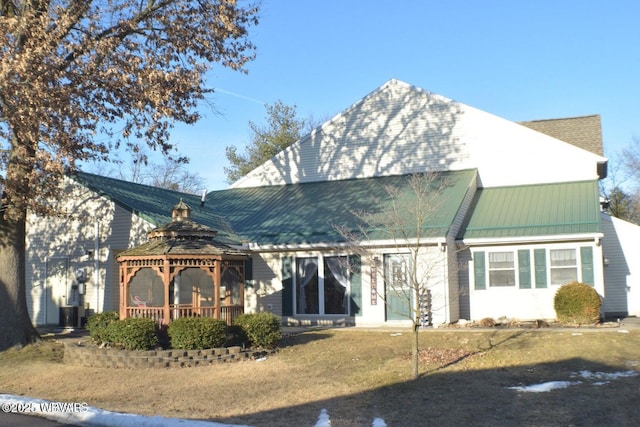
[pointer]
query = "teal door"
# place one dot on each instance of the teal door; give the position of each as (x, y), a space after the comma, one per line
(398, 295)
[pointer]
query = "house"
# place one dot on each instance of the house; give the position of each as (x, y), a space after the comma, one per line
(518, 215)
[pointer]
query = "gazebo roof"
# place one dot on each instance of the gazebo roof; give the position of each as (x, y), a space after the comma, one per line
(182, 236)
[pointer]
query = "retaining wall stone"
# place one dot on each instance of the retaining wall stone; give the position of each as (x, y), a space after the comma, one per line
(90, 356)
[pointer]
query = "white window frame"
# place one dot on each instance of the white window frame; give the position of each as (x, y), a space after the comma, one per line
(576, 266)
(513, 268)
(321, 279)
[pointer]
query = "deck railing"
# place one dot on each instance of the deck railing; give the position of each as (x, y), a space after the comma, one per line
(227, 312)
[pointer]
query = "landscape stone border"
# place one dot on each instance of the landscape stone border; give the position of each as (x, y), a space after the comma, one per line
(91, 356)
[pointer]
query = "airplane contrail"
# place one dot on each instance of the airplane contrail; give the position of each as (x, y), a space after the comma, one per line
(237, 95)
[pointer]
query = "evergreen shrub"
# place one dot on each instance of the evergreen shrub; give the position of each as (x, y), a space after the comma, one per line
(197, 333)
(97, 325)
(577, 303)
(132, 334)
(262, 329)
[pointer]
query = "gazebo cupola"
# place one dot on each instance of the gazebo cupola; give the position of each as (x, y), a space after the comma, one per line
(183, 270)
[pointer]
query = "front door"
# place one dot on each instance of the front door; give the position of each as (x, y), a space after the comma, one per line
(398, 295)
(57, 284)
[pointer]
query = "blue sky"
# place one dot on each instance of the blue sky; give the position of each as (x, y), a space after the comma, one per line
(521, 60)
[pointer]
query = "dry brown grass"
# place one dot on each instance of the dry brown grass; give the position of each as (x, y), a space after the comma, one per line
(358, 375)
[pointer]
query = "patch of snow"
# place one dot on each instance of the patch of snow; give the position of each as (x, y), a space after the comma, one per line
(545, 387)
(378, 422)
(576, 334)
(396, 334)
(623, 331)
(605, 376)
(90, 416)
(601, 377)
(261, 359)
(323, 419)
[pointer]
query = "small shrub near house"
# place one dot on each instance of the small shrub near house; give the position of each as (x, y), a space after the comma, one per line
(261, 329)
(97, 325)
(197, 333)
(132, 334)
(577, 303)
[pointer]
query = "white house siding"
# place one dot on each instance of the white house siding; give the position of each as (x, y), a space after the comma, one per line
(621, 251)
(267, 291)
(514, 302)
(72, 237)
(401, 129)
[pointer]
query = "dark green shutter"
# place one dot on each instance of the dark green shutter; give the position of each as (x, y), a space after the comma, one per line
(479, 271)
(524, 268)
(540, 260)
(586, 256)
(287, 286)
(356, 285)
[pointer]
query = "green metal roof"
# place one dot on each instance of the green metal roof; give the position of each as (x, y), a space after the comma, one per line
(309, 212)
(289, 214)
(155, 204)
(534, 210)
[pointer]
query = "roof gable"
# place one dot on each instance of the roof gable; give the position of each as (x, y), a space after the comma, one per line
(401, 129)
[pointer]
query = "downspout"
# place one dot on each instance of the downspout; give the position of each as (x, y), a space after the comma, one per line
(96, 263)
(445, 280)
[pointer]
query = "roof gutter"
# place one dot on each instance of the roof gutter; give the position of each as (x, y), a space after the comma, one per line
(400, 243)
(487, 241)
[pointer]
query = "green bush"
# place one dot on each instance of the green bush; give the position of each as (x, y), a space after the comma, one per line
(577, 303)
(236, 336)
(132, 334)
(97, 325)
(262, 329)
(197, 333)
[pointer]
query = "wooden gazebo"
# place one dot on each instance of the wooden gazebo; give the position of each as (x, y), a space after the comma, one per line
(182, 271)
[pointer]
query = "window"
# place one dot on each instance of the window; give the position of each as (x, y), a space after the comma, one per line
(563, 266)
(502, 270)
(322, 290)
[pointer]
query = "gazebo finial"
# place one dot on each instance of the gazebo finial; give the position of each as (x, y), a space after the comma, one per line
(181, 212)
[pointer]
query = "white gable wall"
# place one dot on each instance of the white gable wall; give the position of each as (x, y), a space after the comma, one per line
(86, 237)
(400, 129)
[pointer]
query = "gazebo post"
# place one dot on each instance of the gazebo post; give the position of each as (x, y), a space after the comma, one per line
(123, 290)
(166, 281)
(216, 286)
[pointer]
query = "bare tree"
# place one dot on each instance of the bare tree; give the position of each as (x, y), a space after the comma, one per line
(412, 268)
(74, 69)
(171, 173)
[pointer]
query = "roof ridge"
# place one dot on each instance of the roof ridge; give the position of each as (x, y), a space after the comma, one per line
(584, 116)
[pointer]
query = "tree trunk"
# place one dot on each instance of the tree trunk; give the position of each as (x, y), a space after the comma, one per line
(415, 353)
(16, 329)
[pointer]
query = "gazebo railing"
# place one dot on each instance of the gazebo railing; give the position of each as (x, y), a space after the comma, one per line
(227, 312)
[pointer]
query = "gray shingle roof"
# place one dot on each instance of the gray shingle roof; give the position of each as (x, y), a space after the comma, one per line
(584, 131)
